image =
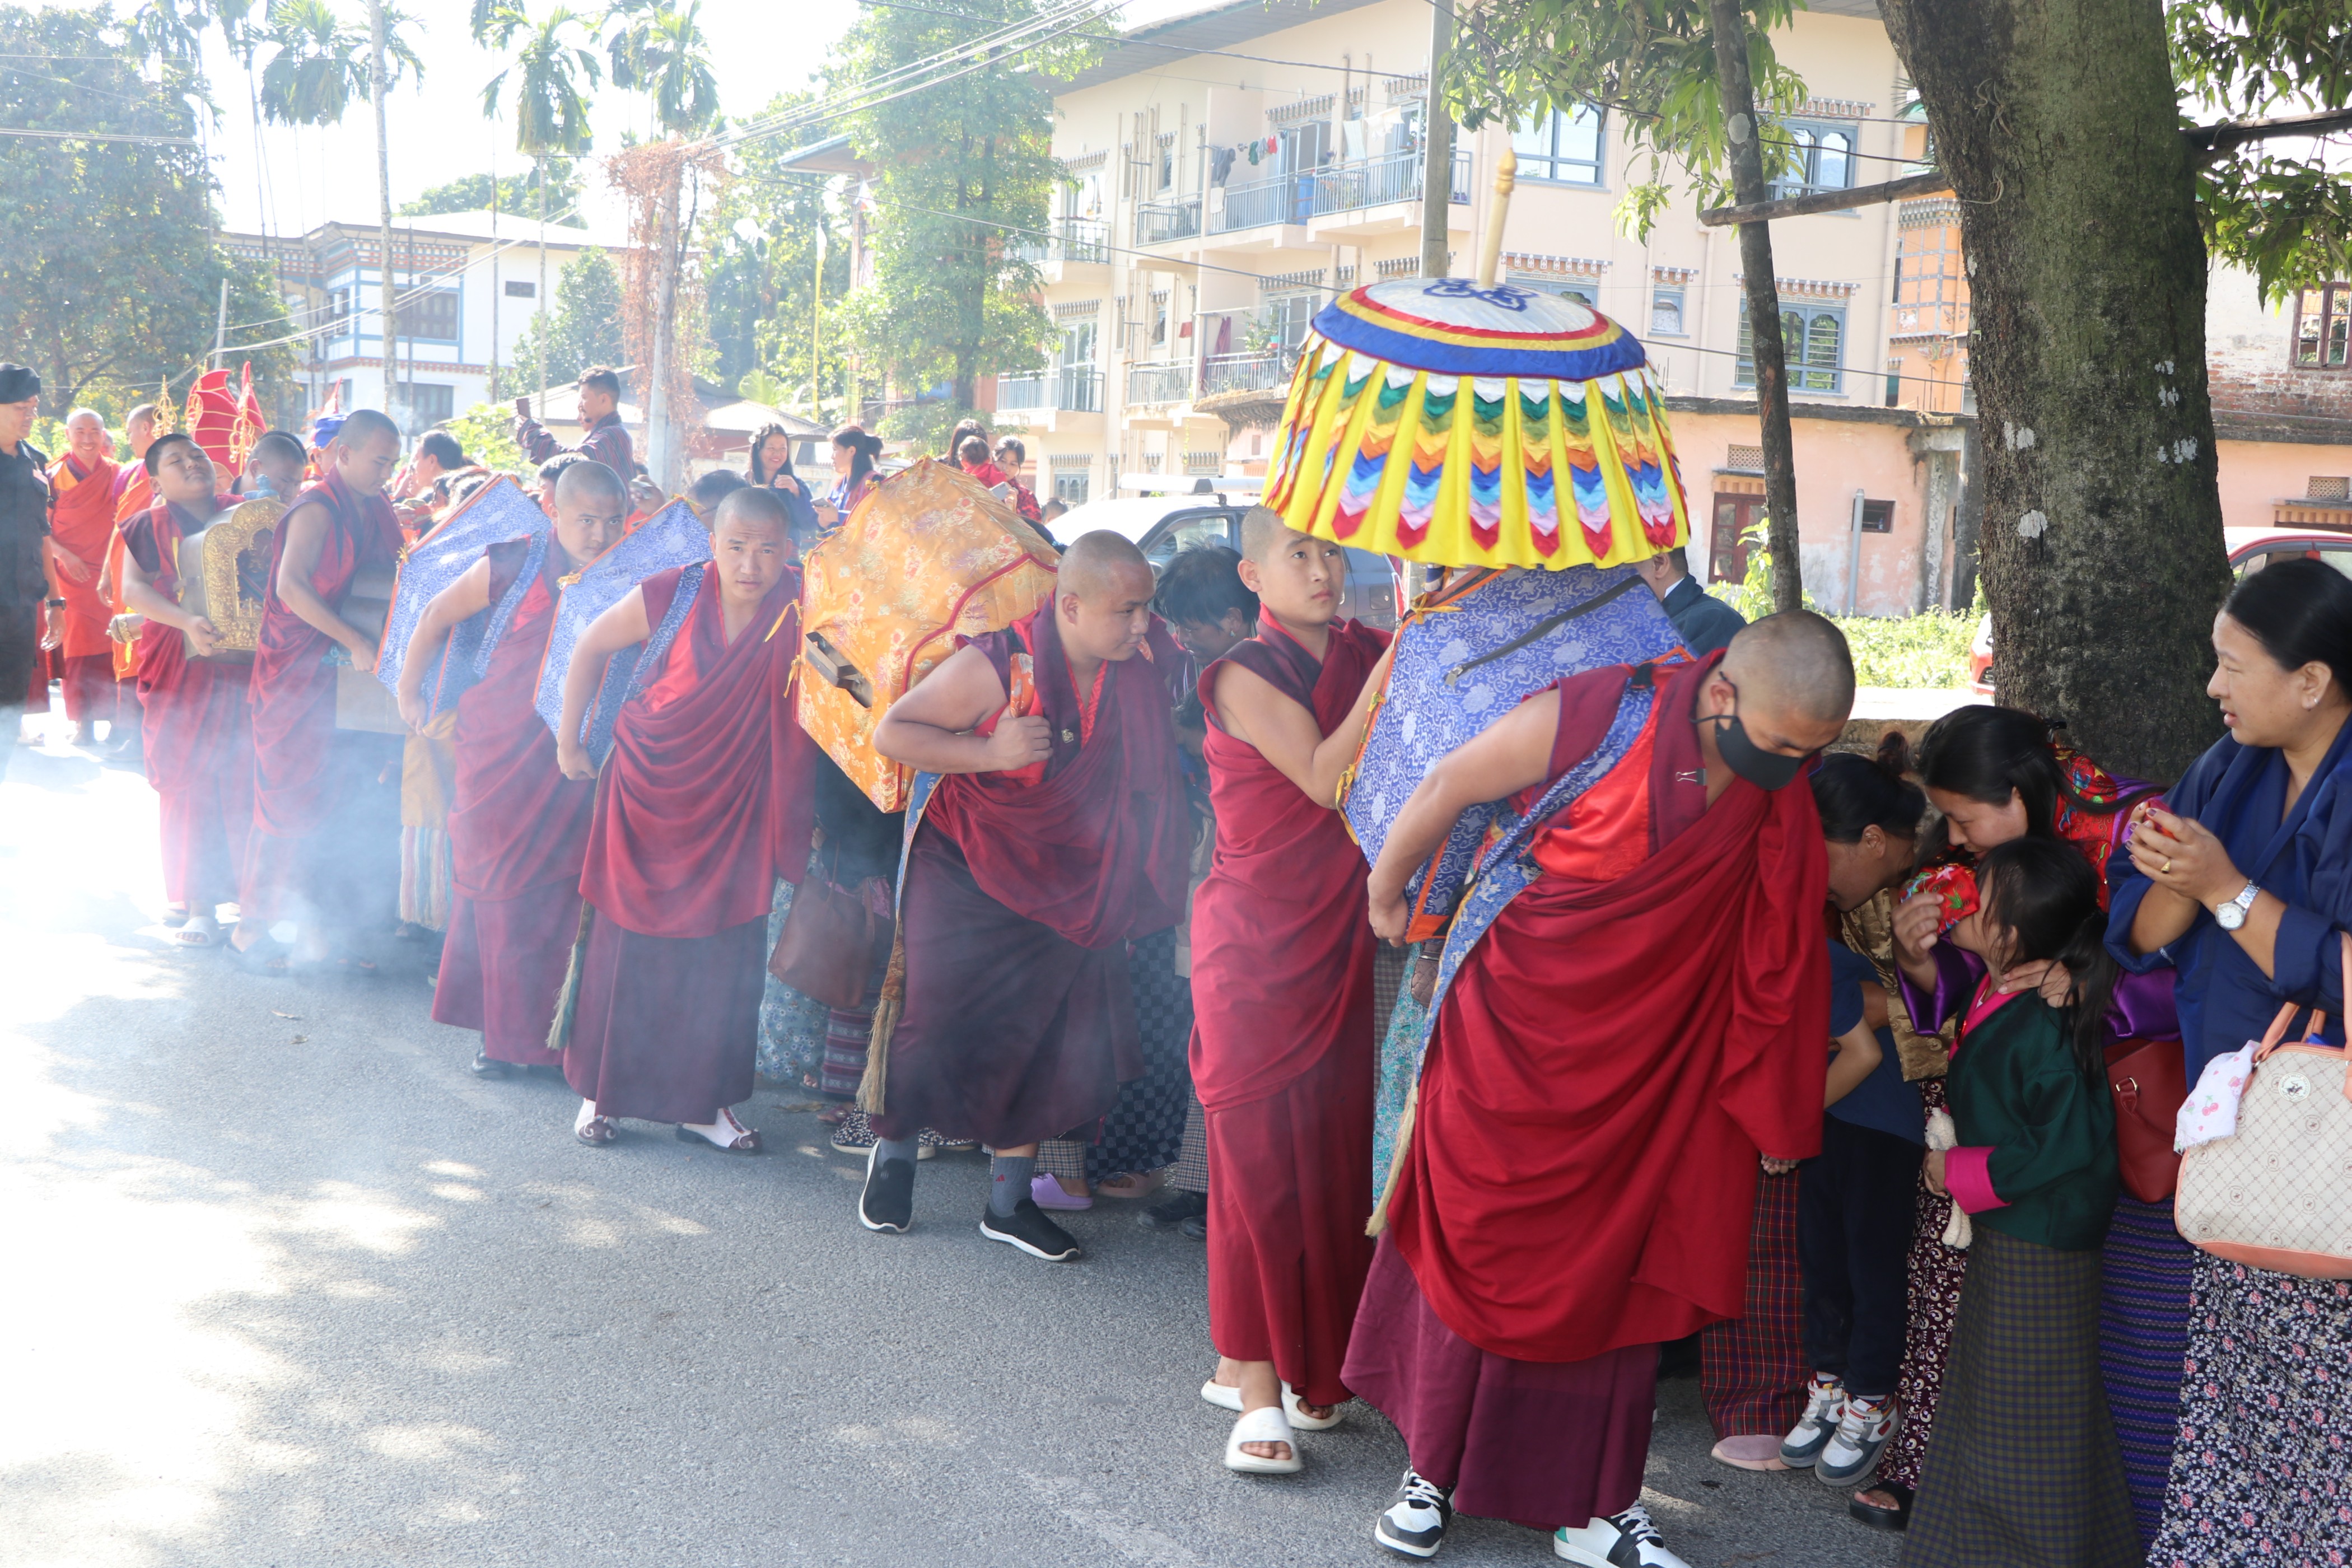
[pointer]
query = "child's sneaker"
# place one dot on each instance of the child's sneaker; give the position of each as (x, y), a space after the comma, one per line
(1414, 1524)
(1862, 1432)
(1824, 1403)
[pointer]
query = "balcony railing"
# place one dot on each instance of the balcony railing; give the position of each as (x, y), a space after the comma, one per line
(1167, 382)
(1157, 223)
(1072, 388)
(1281, 199)
(1247, 372)
(1073, 239)
(1339, 187)
(1376, 182)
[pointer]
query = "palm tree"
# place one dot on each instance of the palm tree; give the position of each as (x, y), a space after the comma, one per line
(549, 112)
(321, 65)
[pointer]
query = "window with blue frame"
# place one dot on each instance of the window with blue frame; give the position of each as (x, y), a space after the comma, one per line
(1563, 149)
(1823, 152)
(433, 317)
(1811, 339)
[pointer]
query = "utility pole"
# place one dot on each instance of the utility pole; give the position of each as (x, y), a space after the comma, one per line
(1437, 138)
(389, 341)
(1728, 23)
(816, 329)
(539, 324)
(220, 328)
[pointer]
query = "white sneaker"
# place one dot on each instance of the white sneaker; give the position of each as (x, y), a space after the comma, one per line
(1625, 1539)
(1414, 1524)
(1825, 1406)
(1862, 1432)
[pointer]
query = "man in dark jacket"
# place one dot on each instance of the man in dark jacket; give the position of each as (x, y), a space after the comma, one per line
(1704, 622)
(23, 533)
(607, 440)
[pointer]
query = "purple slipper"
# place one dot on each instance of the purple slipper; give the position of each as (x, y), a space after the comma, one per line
(1046, 1193)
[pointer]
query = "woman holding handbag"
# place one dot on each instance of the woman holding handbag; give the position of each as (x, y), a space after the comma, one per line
(2244, 884)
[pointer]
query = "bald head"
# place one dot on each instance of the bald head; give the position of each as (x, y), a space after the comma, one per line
(1795, 665)
(1103, 564)
(365, 426)
(1103, 600)
(586, 483)
(1262, 532)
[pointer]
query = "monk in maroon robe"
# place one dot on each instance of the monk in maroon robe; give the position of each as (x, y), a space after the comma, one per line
(1282, 1034)
(704, 803)
(198, 733)
(1612, 1056)
(312, 849)
(1057, 834)
(517, 828)
(81, 523)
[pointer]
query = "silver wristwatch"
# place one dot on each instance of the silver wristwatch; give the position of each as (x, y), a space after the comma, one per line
(2232, 915)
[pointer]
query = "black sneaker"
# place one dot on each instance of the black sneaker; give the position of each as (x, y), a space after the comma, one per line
(1416, 1522)
(487, 1066)
(1027, 1229)
(887, 1200)
(1178, 1208)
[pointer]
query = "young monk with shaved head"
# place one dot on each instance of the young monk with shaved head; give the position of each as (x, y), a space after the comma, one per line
(1057, 833)
(702, 805)
(1282, 998)
(518, 827)
(1633, 1030)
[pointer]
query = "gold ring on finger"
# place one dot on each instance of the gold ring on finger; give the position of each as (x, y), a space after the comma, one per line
(2168, 865)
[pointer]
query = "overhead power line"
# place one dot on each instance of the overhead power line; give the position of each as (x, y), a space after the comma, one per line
(103, 136)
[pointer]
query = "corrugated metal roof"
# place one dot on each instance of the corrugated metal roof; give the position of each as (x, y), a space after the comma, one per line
(1238, 21)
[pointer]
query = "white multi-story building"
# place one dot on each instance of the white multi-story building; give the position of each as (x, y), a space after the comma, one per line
(1235, 167)
(480, 280)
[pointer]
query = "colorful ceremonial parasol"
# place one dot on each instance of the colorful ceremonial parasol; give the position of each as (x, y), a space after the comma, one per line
(1463, 424)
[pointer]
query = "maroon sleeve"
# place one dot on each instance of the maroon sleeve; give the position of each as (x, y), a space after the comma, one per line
(506, 559)
(1588, 704)
(139, 542)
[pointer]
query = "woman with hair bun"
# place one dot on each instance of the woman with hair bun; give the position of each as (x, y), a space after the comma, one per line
(854, 452)
(2242, 882)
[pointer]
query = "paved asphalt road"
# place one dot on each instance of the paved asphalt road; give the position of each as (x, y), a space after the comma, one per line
(286, 1287)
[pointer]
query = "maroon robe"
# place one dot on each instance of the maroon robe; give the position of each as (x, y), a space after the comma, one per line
(518, 835)
(309, 819)
(1021, 896)
(703, 803)
(1611, 1058)
(198, 733)
(1283, 1034)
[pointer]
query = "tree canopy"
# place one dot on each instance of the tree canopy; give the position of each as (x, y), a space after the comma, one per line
(585, 328)
(516, 193)
(110, 273)
(954, 166)
(763, 270)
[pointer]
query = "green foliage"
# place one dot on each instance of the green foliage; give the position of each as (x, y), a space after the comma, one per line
(321, 65)
(948, 303)
(516, 193)
(551, 111)
(486, 431)
(584, 329)
(1928, 650)
(109, 277)
(2287, 217)
(927, 424)
(762, 278)
(1650, 62)
(662, 54)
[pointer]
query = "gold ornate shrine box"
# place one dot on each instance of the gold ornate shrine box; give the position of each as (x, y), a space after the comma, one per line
(225, 572)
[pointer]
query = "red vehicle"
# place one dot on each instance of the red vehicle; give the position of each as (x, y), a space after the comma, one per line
(2250, 550)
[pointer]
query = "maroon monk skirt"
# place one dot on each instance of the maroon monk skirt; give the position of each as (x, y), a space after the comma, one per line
(1290, 1188)
(1543, 1444)
(502, 965)
(667, 1028)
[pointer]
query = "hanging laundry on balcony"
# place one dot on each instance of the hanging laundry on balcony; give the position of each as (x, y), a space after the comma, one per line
(1462, 425)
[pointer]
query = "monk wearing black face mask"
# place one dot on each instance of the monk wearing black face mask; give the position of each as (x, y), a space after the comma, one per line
(1613, 1054)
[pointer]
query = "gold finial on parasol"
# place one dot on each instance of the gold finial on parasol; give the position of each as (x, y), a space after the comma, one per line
(1490, 253)
(167, 413)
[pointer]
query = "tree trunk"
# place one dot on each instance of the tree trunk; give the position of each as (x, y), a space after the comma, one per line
(1728, 23)
(1437, 147)
(661, 445)
(539, 327)
(2101, 545)
(389, 342)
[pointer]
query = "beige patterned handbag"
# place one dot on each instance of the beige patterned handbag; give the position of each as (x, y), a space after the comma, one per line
(2278, 1194)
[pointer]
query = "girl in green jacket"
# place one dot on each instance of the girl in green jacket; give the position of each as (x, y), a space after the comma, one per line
(2024, 1468)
